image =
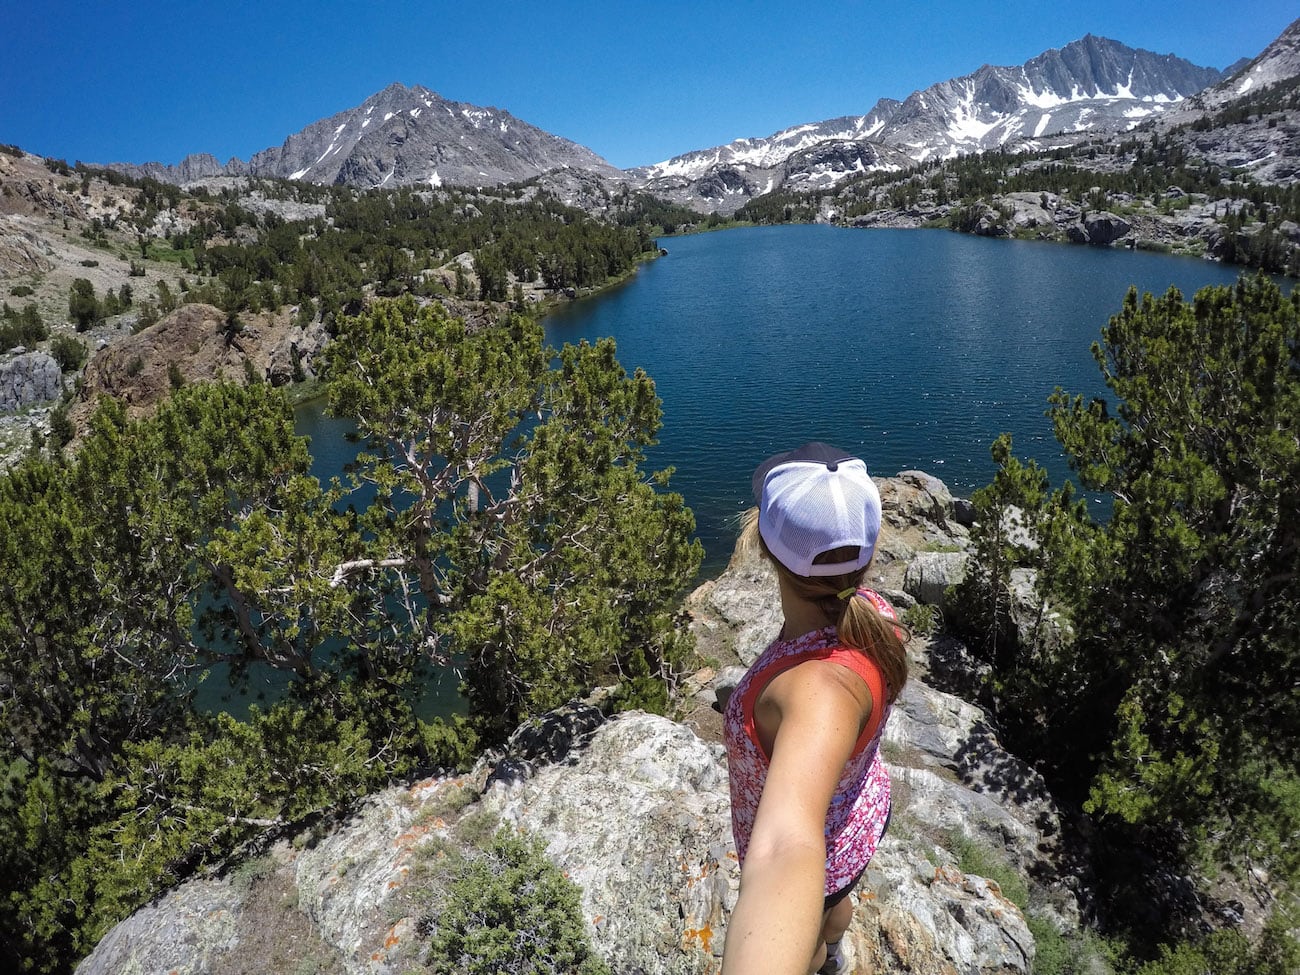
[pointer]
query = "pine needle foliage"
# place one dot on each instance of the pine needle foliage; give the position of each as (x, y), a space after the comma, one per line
(512, 912)
(496, 522)
(1168, 700)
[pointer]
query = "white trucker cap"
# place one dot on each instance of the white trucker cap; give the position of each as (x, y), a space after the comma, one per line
(813, 499)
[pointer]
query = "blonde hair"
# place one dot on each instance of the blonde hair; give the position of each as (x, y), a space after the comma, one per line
(857, 622)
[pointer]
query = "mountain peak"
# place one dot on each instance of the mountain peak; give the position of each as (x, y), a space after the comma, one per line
(1278, 62)
(403, 136)
(1091, 85)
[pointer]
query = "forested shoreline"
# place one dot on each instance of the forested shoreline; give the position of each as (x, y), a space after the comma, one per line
(1150, 179)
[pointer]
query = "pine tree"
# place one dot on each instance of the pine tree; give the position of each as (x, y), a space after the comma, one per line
(1172, 707)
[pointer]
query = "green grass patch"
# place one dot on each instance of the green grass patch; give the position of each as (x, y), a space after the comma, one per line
(976, 858)
(941, 547)
(161, 250)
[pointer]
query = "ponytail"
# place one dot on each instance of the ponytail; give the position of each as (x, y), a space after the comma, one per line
(863, 626)
(858, 623)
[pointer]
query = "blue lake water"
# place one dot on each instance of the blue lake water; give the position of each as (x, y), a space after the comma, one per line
(913, 348)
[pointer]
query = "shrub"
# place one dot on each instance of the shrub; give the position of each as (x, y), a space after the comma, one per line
(21, 328)
(61, 429)
(83, 306)
(1227, 952)
(1072, 952)
(921, 619)
(69, 353)
(512, 912)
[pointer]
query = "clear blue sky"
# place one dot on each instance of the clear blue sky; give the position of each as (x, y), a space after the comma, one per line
(140, 80)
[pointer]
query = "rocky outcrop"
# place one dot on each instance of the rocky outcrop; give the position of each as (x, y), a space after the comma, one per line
(32, 377)
(193, 168)
(1030, 210)
(636, 813)
(930, 574)
(634, 809)
(196, 344)
(22, 253)
(292, 352)
(1099, 229)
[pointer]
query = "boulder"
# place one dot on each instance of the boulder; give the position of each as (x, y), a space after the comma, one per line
(920, 502)
(32, 377)
(739, 614)
(296, 347)
(653, 853)
(1032, 209)
(1100, 229)
(929, 575)
(991, 225)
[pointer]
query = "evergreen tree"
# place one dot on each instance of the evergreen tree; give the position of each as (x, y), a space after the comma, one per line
(82, 304)
(511, 514)
(498, 520)
(1171, 704)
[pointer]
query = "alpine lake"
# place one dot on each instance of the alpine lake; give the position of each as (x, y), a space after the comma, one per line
(913, 349)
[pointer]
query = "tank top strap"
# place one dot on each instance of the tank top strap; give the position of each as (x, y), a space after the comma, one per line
(837, 653)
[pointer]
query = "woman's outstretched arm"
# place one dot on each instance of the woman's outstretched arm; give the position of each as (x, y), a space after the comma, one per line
(816, 711)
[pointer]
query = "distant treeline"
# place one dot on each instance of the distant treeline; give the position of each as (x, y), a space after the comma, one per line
(386, 239)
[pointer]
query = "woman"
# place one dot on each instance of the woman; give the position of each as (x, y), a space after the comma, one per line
(809, 792)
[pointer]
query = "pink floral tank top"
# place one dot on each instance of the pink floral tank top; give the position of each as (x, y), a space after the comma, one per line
(855, 821)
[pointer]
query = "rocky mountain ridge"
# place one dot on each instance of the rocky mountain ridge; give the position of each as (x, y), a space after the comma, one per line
(1278, 62)
(413, 137)
(401, 137)
(1091, 86)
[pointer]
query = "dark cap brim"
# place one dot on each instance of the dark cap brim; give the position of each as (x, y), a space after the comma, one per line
(815, 452)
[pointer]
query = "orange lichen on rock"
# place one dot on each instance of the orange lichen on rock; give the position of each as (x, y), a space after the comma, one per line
(703, 936)
(400, 878)
(411, 835)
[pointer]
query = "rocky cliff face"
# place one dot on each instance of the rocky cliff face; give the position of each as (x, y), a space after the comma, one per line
(1279, 62)
(27, 378)
(634, 809)
(195, 344)
(1265, 140)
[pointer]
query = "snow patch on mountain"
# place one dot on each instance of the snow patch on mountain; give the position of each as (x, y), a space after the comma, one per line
(1093, 85)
